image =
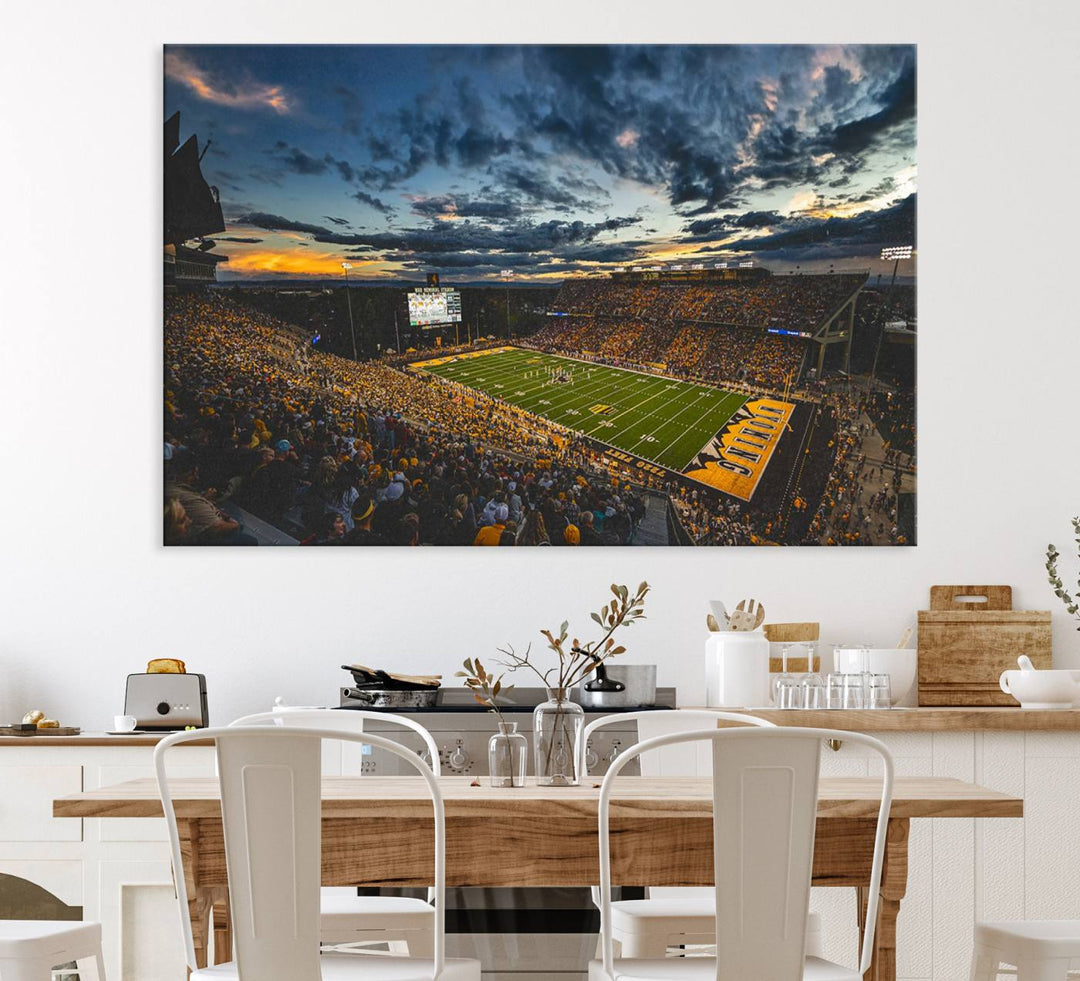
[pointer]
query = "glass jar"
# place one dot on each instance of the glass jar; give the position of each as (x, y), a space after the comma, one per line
(508, 756)
(557, 725)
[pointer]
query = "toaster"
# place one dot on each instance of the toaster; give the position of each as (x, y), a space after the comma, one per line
(165, 702)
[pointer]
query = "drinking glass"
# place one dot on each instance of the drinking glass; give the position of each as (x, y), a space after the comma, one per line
(808, 649)
(879, 693)
(785, 676)
(853, 691)
(813, 691)
(788, 692)
(834, 690)
(813, 685)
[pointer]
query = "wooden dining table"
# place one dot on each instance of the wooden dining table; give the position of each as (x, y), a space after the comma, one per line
(377, 832)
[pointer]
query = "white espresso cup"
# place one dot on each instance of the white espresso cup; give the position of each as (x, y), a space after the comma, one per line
(124, 723)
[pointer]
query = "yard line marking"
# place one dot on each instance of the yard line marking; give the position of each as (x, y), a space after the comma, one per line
(717, 408)
(670, 420)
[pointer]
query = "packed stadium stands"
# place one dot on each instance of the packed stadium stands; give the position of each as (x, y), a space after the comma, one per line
(340, 452)
(791, 302)
(713, 331)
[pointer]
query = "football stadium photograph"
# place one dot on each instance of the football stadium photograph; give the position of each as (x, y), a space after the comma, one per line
(540, 295)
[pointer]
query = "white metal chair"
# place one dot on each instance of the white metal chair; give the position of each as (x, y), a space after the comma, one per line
(30, 949)
(765, 790)
(1041, 950)
(346, 917)
(271, 810)
(673, 916)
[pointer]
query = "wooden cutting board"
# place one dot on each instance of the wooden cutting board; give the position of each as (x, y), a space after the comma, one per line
(56, 731)
(964, 645)
(793, 633)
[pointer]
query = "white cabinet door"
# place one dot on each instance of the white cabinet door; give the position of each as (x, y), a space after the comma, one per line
(140, 922)
(26, 803)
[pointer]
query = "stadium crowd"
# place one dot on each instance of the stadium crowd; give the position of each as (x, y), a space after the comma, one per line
(700, 352)
(708, 332)
(360, 454)
(791, 302)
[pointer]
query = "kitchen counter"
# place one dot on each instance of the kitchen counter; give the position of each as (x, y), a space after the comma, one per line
(88, 739)
(923, 719)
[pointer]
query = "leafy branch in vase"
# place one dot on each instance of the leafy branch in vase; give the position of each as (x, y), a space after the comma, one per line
(578, 660)
(1072, 603)
(486, 688)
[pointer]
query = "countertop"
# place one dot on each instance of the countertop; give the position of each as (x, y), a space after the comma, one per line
(923, 719)
(853, 720)
(86, 739)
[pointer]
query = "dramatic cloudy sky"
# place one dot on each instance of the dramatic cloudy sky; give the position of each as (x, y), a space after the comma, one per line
(550, 161)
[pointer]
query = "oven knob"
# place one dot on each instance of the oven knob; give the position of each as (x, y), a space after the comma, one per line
(614, 752)
(458, 758)
(162, 708)
(591, 757)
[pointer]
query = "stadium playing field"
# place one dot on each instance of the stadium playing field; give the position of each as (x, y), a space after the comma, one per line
(660, 419)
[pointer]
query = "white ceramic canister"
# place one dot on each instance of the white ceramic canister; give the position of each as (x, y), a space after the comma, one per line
(737, 669)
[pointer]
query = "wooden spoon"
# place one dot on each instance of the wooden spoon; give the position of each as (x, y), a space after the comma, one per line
(748, 617)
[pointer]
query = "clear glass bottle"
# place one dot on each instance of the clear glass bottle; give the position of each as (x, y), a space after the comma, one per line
(557, 725)
(508, 756)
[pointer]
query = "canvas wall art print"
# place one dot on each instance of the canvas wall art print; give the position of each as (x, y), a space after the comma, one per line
(536, 295)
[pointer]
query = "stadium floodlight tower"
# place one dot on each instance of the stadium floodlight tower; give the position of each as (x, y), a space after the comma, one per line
(348, 301)
(507, 275)
(896, 253)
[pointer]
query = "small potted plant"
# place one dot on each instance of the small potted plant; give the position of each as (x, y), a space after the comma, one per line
(557, 723)
(508, 750)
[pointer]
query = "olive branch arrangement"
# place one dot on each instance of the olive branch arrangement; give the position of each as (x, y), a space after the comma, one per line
(1072, 603)
(579, 660)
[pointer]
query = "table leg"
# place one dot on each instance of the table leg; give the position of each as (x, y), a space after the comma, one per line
(199, 914)
(893, 889)
(208, 906)
(222, 921)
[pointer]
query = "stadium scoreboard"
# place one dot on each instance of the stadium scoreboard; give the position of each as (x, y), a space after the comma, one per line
(430, 306)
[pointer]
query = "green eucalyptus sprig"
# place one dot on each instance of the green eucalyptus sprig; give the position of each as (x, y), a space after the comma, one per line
(577, 660)
(1072, 603)
(486, 688)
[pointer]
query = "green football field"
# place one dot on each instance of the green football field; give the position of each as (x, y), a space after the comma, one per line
(660, 419)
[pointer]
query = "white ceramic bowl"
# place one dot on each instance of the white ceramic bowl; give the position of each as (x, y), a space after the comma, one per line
(900, 664)
(1042, 689)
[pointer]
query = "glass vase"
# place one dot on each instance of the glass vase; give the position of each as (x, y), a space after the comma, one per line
(508, 755)
(557, 725)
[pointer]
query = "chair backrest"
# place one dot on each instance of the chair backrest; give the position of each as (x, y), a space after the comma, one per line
(271, 809)
(671, 761)
(347, 720)
(765, 791)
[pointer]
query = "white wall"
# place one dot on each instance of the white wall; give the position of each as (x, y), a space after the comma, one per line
(88, 594)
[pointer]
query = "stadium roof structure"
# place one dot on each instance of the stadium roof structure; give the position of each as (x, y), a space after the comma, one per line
(839, 329)
(192, 207)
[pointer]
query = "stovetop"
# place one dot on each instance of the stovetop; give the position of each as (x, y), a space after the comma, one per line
(518, 700)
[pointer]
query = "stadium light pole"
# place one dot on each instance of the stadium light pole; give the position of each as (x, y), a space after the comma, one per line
(896, 253)
(352, 330)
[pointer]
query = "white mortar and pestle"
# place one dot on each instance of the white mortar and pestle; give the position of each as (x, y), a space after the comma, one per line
(1035, 689)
